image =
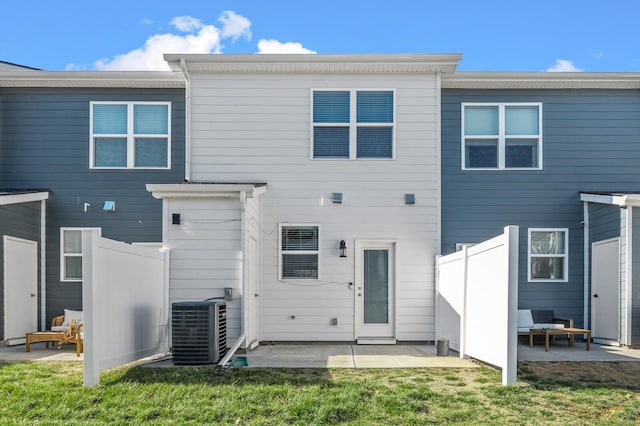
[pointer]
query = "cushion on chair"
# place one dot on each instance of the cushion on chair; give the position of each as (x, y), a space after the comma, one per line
(59, 328)
(540, 316)
(70, 315)
(525, 320)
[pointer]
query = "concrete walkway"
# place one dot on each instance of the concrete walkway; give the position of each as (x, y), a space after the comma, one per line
(560, 351)
(352, 356)
(40, 353)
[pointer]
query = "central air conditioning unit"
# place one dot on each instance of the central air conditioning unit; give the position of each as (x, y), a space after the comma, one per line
(198, 331)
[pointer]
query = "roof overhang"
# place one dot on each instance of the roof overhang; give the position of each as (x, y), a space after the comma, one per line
(205, 190)
(106, 79)
(307, 64)
(21, 196)
(541, 80)
(619, 199)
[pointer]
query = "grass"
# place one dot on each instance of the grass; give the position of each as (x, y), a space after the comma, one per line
(547, 393)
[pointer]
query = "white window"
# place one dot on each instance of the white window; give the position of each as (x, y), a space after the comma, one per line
(130, 135)
(71, 254)
(353, 124)
(299, 251)
(548, 254)
(502, 136)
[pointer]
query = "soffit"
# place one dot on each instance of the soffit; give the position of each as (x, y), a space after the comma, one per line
(303, 64)
(102, 79)
(541, 80)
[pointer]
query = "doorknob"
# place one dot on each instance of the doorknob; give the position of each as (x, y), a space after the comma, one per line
(595, 295)
(32, 295)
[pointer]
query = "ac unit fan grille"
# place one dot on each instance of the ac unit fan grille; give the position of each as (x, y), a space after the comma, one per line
(199, 332)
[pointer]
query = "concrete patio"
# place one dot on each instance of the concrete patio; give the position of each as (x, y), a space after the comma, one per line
(358, 356)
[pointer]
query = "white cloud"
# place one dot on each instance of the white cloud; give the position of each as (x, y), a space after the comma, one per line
(234, 26)
(597, 54)
(563, 65)
(274, 46)
(186, 24)
(200, 38)
(146, 21)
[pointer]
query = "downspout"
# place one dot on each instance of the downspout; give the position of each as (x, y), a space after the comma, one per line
(243, 279)
(587, 265)
(43, 265)
(187, 119)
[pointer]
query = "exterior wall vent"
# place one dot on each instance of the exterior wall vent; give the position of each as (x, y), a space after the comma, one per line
(198, 331)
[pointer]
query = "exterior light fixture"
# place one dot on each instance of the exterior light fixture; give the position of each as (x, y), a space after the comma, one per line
(343, 248)
(336, 198)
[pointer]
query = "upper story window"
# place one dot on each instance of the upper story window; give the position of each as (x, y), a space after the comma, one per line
(353, 124)
(502, 136)
(548, 254)
(130, 135)
(299, 251)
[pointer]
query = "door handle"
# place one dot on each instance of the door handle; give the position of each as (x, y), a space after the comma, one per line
(595, 295)
(32, 295)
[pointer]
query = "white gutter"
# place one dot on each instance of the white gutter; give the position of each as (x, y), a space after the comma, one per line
(187, 119)
(586, 265)
(43, 265)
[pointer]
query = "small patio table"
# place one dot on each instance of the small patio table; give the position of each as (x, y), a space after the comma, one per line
(569, 332)
(44, 336)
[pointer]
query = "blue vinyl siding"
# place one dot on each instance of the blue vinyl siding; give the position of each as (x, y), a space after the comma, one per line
(20, 221)
(45, 144)
(635, 284)
(590, 143)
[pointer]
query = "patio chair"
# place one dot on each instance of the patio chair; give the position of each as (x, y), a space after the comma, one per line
(65, 328)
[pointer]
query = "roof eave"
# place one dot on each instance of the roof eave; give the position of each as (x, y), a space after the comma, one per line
(541, 80)
(304, 63)
(108, 79)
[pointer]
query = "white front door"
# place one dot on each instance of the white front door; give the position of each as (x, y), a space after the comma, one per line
(375, 289)
(605, 290)
(20, 287)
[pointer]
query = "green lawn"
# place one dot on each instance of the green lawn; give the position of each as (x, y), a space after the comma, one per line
(556, 393)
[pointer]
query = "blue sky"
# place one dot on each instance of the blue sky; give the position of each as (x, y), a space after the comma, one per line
(510, 35)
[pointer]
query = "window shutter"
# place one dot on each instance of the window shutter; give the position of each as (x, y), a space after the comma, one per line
(331, 142)
(110, 119)
(331, 107)
(150, 119)
(481, 120)
(300, 238)
(375, 142)
(375, 107)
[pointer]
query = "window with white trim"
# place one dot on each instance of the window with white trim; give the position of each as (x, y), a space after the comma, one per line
(548, 254)
(353, 124)
(130, 135)
(299, 251)
(501, 136)
(71, 254)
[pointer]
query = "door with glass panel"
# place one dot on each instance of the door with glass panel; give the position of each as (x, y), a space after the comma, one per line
(375, 290)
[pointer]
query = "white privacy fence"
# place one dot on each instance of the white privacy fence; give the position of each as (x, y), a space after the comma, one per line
(125, 299)
(477, 301)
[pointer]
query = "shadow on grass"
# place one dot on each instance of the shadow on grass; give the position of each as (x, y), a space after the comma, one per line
(623, 375)
(214, 375)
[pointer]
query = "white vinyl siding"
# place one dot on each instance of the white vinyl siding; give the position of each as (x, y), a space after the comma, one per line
(353, 124)
(548, 254)
(503, 136)
(256, 128)
(130, 135)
